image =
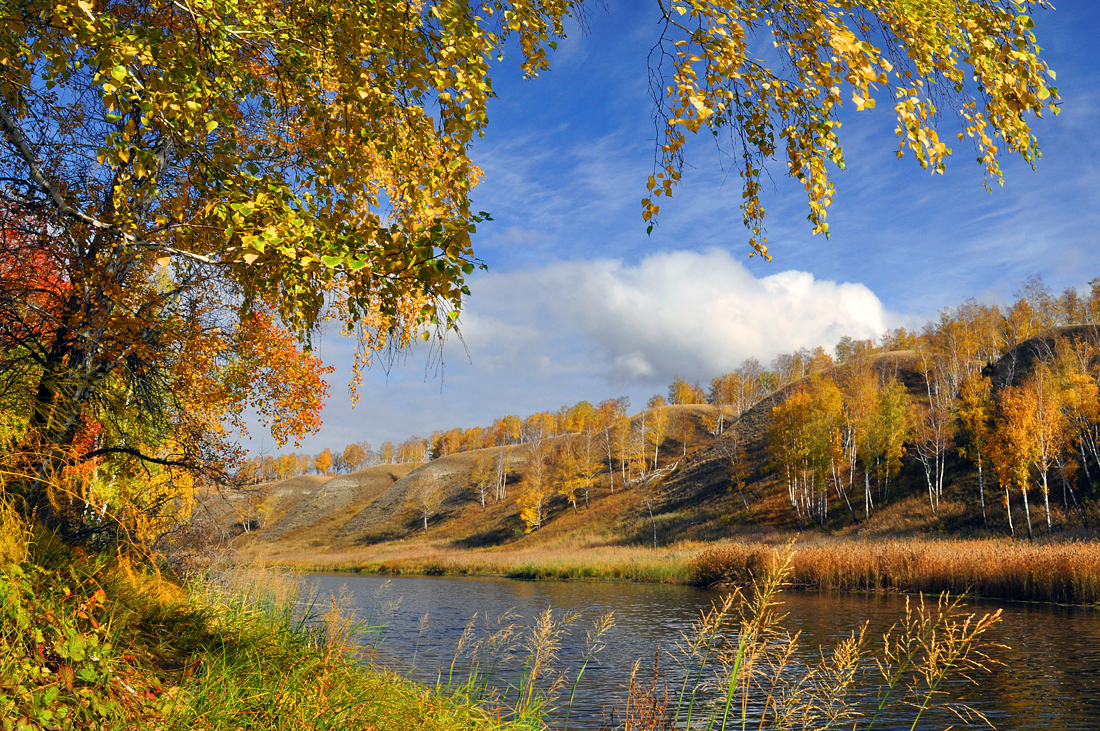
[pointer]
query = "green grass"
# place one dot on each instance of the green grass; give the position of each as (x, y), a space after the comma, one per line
(89, 642)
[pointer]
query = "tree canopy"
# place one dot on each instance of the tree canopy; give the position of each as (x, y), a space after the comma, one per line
(190, 188)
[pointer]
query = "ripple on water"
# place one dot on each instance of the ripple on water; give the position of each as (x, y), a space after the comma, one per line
(1049, 677)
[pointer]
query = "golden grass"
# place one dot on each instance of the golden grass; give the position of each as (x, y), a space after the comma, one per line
(1067, 573)
(560, 561)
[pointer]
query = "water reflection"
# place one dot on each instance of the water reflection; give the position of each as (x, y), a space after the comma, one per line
(1050, 676)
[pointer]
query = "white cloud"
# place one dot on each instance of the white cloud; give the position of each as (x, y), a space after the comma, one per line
(674, 313)
(593, 329)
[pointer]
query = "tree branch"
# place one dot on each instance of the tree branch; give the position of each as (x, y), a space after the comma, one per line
(138, 454)
(15, 135)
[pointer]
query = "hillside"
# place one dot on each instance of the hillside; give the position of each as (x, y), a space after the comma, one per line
(691, 497)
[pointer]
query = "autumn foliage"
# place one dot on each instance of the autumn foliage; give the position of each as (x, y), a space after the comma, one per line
(987, 406)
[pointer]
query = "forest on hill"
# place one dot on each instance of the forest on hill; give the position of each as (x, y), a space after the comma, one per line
(986, 420)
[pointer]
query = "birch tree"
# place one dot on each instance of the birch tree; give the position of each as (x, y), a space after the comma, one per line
(976, 409)
(1015, 447)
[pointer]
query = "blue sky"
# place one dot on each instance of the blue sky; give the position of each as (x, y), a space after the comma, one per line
(579, 303)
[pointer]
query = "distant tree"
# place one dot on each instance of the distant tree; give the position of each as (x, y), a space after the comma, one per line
(732, 452)
(608, 414)
(898, 339)
(286, 466)
(889, 433)
(323, 461)
(658, 428)
(413, 449)
(500, 472)
(787, 368)
(681, 392)
(623, 439)
(566, 473)
(860, 394)
(444, 443)
(587, 451)
(503, 433)
(723, 390)
(265, 509)
(1052, 428)
(933, 423)
(482, 477)
(268, 467)
(355, 456)
(387, 453)
(304, 463)
(475, 438)
(428, 494)
(976, 410)
(580, 417)
(747, 386)
(536, 483)
(816, 360)
(1014, 448)
(805, 443)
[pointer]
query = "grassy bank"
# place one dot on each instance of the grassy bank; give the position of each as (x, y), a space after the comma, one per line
(1067, 573)
(90, 642)
(560, 562)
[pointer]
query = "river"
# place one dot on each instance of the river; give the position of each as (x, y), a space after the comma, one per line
(1047, 676)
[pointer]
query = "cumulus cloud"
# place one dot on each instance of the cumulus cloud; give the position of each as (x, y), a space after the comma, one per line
(538, 338)
(696, 314)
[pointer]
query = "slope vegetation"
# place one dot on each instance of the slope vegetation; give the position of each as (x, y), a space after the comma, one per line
(690, 496)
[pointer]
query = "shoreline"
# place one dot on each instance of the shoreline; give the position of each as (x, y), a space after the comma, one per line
(1061, 573)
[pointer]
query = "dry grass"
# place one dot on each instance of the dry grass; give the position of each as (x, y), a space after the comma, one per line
(567, 560)
(1067, 573)
(741, 669)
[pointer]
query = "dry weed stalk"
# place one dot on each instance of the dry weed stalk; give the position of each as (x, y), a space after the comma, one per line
(540, 682)
(647, 706)
(741, 668)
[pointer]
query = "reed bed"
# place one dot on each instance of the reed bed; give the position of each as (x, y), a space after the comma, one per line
(1058, 572)
(1065, 573)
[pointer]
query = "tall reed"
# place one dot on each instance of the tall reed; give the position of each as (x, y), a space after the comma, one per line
(1066, 573)
(531, 694)
(741, 668)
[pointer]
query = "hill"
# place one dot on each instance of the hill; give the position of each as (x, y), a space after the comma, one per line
(690, 496)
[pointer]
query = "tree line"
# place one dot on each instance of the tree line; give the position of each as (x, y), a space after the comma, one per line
(838, 432)
(840, 435)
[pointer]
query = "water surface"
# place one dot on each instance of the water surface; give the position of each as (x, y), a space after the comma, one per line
(1050, 676)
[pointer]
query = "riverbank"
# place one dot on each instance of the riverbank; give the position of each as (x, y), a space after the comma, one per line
(1057, 572)
(93, 642)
